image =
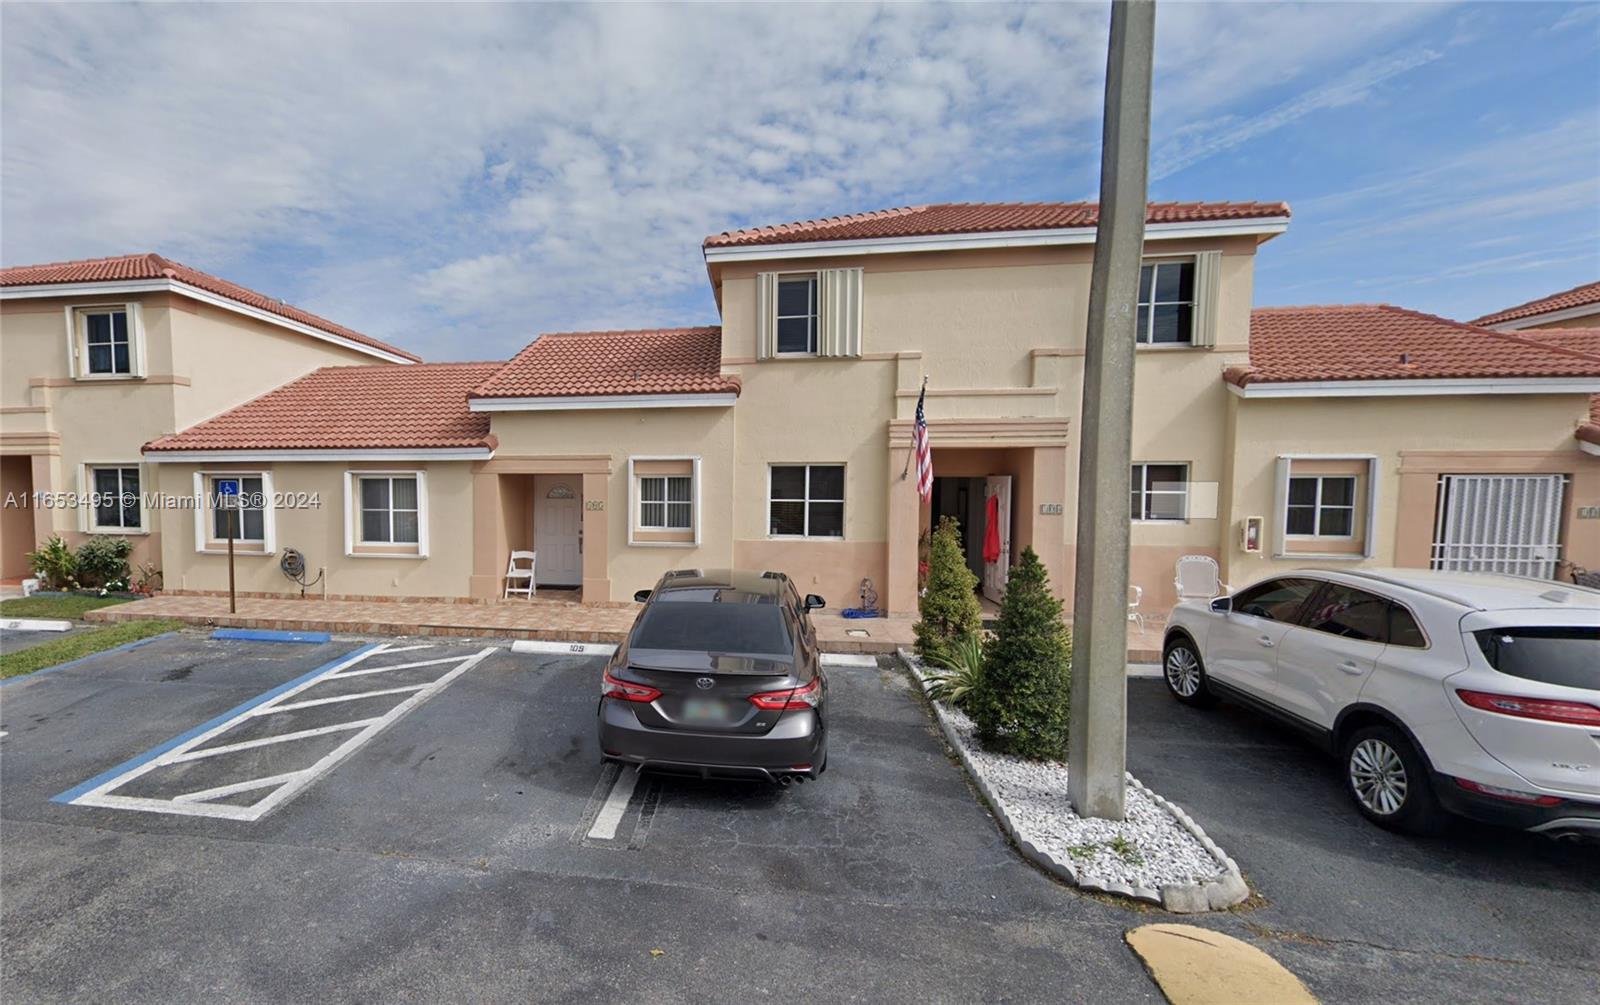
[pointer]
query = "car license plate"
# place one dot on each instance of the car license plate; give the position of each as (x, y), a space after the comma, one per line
(704, 710)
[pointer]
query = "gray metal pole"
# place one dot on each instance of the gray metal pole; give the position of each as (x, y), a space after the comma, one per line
(1097, 751)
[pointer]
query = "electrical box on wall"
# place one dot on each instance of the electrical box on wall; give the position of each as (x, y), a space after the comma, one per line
(1250, 535)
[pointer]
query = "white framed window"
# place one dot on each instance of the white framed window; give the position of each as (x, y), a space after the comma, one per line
(797, 315)
(115, 505)
(666, 502)
(805, 500)
(386, 514)
(253, 516)
(1166, 302)
(1321, 506)
(106, 341)
(1160, 492)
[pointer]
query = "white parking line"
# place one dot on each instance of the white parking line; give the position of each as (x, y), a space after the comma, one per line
(285, 785)
(611, 812)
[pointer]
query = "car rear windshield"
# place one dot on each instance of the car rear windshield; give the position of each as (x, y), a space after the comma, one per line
(1569, 657)
(744, 629)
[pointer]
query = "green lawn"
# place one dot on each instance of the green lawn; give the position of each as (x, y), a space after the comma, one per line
(71, 647)
(70, 607)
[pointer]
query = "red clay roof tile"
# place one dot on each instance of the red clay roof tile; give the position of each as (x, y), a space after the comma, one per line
(649, 361)
(414, 406)
(1578, 296)
(1380, 342)
(981, 217)
(153, 266)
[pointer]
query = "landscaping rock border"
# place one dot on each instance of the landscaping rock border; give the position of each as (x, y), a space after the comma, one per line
(1223, 890)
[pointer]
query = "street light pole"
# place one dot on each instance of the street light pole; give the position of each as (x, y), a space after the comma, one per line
(1097, 749)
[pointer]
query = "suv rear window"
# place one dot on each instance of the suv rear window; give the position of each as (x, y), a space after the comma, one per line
(742, 629)
(1569, 657)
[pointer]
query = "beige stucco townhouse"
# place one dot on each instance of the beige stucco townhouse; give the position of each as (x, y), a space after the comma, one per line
(99, 357)
(781, 438)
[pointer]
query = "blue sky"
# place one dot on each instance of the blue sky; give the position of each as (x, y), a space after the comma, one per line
(458, 180)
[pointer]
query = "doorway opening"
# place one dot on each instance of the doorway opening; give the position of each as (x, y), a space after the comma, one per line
(981, 508)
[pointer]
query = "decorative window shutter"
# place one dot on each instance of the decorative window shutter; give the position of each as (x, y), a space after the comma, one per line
(839, 312)
(1370, 518)
(766, 315)
(1207, 284)
(1280, 507)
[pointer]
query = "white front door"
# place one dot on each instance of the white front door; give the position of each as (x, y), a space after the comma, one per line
(997, 523)
(557, 529)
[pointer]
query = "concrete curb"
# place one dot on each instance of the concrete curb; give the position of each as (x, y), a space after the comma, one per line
(35, 625)
(1185, 898)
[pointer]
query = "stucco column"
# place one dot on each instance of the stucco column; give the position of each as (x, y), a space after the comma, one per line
(900, 574)
(489, 548)
(43, 481)
(596, 537)
(1050, 529)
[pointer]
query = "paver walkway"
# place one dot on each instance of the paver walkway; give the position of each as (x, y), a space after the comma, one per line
(549, 620)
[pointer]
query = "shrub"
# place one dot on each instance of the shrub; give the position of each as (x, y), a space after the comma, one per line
(959, 669)
(949, 605)
(1023, 696)
(103, 562)
(55, 564)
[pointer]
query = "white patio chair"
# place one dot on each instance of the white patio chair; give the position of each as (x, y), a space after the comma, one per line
(1135, 598)
(1198, 578)
(520, 573)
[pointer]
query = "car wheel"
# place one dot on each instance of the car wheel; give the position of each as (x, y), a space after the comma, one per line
(1186, 675)
(1388, 779)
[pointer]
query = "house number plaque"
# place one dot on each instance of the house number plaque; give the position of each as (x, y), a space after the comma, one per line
(594, 504)
(1050, 509)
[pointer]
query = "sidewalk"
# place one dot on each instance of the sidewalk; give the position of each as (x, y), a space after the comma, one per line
(546, 620)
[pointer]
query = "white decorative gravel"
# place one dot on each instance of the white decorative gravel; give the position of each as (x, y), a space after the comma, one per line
(1157, 853)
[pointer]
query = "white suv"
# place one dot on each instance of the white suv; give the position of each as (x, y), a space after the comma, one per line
(1476, 694)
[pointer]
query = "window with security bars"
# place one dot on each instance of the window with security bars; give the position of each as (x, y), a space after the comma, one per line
(666, 502)
(806, 500)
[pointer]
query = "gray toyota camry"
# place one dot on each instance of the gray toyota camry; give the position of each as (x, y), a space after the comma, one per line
(718, 678)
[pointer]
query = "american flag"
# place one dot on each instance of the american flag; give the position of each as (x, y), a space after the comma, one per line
(924, 452)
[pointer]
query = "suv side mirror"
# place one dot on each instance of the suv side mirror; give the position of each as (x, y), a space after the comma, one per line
(1222, 605)
(640, 596)
(814, 602)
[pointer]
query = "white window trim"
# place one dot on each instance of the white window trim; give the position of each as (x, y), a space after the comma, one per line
(1153, 261)
(78, 341)
(634, 527)
(1143, 491)
(816, 315)
(1280, 505)
(203, 511)
(86, 512)
(1317, 507)
(352, 540)
(843, 501)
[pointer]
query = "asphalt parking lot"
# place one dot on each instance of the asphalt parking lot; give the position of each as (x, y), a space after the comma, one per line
(203, 820)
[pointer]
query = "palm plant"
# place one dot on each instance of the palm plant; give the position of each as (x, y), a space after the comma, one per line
(959, 665)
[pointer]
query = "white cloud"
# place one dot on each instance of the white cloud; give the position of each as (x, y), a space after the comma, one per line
(462, 177)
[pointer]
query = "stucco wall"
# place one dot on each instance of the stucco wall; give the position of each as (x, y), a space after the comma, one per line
(1485, 434)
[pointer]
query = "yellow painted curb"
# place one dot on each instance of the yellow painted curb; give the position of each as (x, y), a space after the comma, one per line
(1196, 966)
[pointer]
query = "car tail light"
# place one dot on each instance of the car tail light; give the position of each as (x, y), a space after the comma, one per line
(805, 696)
(1509, 795)
(610, 687)
(1547, 709)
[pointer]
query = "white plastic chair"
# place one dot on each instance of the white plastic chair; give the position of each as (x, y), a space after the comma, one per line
(520, 573)
(1198, 577)
(1135, 598)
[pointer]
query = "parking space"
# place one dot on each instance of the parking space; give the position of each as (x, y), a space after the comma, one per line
(426, 818)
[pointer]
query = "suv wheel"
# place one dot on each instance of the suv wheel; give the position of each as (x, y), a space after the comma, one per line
(1388, 780)
(1186, 675)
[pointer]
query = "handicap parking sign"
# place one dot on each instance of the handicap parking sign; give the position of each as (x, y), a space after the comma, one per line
(227, 486)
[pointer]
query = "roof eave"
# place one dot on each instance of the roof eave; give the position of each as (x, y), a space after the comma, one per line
(551, 403)
(1256, 387)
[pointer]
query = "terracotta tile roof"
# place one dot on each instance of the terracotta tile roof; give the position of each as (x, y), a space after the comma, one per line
(649, 361)
(385, 405)
(153, 266)
(1578, 296)
(982, 217)
(1380, 342)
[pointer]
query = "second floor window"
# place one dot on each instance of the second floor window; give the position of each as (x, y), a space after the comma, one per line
(106, 345)
(797, 314)
(1166, 303)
